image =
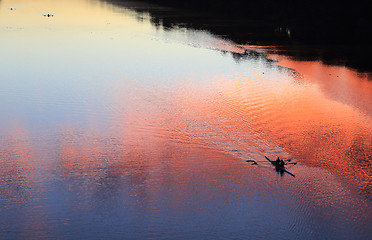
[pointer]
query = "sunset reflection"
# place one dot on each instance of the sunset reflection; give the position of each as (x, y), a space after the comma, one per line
(337, 83)
(16, 166)
(243, 117)
(20, 189)
(114, 125)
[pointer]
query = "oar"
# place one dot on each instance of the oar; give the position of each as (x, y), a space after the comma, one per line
(253, 162)
(294, 163)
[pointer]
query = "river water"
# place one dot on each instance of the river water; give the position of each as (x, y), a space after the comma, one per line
(113, 127)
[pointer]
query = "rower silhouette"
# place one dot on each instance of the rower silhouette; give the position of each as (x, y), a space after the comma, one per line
(280, 162)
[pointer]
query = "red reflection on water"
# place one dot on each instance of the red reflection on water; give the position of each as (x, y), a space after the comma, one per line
(243, 116)
(253, 117)
(149, 155)
(337, 134)
(338, 83)
(19, 185)
(78, 149)
(16, 167)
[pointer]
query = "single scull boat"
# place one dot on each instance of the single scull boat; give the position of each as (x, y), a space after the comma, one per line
(278, 167)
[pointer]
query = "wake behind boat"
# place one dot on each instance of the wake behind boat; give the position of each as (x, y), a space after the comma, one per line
(279, 167)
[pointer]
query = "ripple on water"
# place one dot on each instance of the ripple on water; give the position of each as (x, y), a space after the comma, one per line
(160, 151)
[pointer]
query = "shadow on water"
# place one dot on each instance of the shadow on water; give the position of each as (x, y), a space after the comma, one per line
(336, 34)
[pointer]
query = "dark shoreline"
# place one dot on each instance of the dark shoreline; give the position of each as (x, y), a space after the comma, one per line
(335, 34)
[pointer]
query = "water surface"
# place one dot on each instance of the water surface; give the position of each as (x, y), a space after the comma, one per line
(113, 127)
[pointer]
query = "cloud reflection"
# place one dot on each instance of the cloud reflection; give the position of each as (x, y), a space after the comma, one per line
(148, 136)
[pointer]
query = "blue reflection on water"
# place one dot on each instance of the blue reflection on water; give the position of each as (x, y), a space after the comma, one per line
(91, 147)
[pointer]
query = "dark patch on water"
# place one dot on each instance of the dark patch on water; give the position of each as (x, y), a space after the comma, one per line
(337, 34)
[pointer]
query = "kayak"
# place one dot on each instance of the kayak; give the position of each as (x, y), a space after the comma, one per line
(279, 168)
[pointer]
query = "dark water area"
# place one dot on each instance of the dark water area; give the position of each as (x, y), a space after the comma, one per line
(336, 33)
(121, 121)
(317, 21)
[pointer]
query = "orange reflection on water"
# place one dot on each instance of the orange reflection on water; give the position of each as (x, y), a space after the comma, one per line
(293, 118)
(237, 117)
(338, 83)
(16, 167)
(79, 151)
(338, 134)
